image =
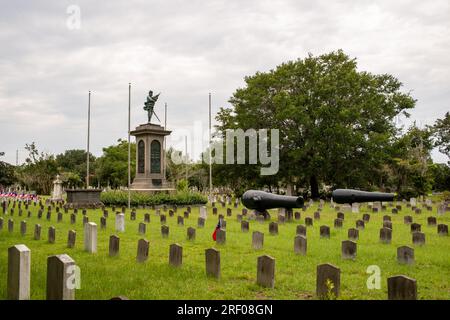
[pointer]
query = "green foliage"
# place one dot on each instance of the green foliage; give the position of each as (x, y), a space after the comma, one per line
(7, 176)
(112, 166)
(120, 198)
(441, 130)
(182, 185)
(72, 166)
(335, 122)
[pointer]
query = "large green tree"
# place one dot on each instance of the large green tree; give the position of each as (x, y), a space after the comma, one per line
(334, 120)
(441, 130)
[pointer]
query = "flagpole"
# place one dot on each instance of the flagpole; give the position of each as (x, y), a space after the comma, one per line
(88, 139)
(129, 145)
(210, 152)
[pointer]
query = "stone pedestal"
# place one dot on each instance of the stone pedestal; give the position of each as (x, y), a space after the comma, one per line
(57, 193)
(150, 160)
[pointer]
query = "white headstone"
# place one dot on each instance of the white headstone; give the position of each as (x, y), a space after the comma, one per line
(57, 193)
(355, 207)
(90, 237)
(120, 222)
(203, 212)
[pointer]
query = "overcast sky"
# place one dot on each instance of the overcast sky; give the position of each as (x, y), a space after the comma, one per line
(186, 49)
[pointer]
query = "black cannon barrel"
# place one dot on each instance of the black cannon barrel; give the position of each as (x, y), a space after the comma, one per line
(261, 200)
(354, 196)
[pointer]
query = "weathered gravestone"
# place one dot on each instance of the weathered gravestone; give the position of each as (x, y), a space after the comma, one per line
(300, 244)
(301, 230)
(308, 221)
(257, 240)
(186, 215)
(338, 223)
(51, 234)
(442, 229)
(147, 217)
(317, 215)
(71, 238)
(387, 224)
(164, 231)
(273, 228)
(328, 281)
(418, 238)
(73, 218)
(325, 232)
(60, 269)
(180, 221)
(386, 218)
(405, 255)
(353, 234)
(114, 245)
(431, 221)
(85, 220)
(415, 227)
(102, 222)
(37, 232)
(221, 236)
(120, 222)
(402, 288)
(386, 235)
(265, 275)
(366, 217)
(212, 257)
(142, 250)
(340, 215)
(190, 233)
(10, 225)
(407, 219)
(142, 228)
(360, 224)
(175, 255)
(245, 226)
(348, 249)
(19, 262)
(23, 228)
(1, 223)
(90, 237)
(297, 215)
(200, 222)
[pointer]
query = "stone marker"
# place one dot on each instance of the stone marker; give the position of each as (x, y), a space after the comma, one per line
(405, 255)
(387, 224)
(85, 220)
(273, 228)
(1, 223)
(120, 222)
(353, 234)
(133, 215)
(37, 232)
(257, 240)
(49, 215)
(265, 275)
(59, 217)
(348, 249)
(415, 227)
(18, 283)
(175, 255)
(186, 215)
(229, 212)
(23, 228)
(180, 221)
(301, 230)
(200, 222)
(142, 228)
(147, 217)
(90, 237)
(297, 215)
(394, 211)
(300, 244)
(317, 215)
(114, 244)
(203, 212)
(328, 273)
(59, 269)
(245, 226)
(407, 219)
(142, 250)
(51, 234)
(442, 229)
(164, 231)
(431, 221)
(102, 222)
(418, 238)
(10, 225)
(281, 219)
(386, 218)
(340, 215)
(338, 223)
(71, 237)
(386, 235)
(73, 218)
(325, 232)
(366, 217)
(221, 236)
(212, 257)
(190, 233)
(360, 224)
(308, 221)
(402, 288)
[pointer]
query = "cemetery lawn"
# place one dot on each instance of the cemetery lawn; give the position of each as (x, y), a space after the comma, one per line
(103, 277)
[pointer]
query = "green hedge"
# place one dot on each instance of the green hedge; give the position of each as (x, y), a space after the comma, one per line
(120, 198)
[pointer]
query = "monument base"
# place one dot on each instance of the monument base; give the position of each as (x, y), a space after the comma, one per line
(84, 198)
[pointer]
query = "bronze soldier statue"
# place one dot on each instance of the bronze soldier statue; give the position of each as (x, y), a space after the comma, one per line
(150, 104)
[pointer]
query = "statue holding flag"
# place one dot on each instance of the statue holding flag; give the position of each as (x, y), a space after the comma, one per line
(150, 104)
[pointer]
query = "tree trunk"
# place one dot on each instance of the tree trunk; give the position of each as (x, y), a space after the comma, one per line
(314, 187)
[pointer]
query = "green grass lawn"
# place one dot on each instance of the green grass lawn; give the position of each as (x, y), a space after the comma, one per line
(103, 277)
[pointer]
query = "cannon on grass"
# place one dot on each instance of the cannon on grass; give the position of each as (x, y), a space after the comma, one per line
(261, 201)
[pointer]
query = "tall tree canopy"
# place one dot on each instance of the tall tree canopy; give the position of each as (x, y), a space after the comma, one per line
(335, 121)
(441, 131)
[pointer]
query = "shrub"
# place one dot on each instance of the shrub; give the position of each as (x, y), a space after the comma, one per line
(120, 198)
